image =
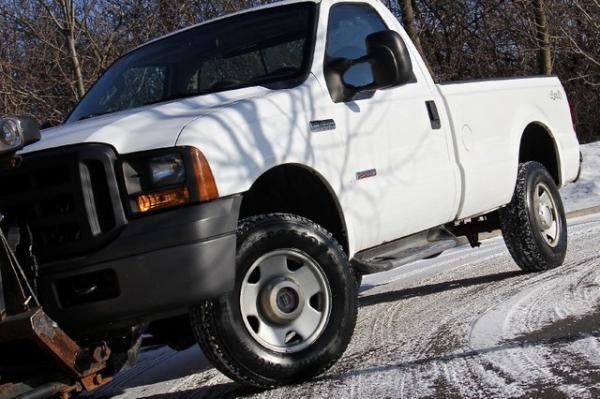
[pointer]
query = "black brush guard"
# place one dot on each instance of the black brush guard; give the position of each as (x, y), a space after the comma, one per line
(24, 322)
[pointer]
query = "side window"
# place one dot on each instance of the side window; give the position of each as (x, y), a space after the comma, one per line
(349, 26)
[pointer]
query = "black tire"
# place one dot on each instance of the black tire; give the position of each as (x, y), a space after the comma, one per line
(220, 328)
(528, 246)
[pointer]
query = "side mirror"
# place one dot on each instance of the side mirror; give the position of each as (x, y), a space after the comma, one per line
(391, 63)
(16, 133)
(388, 58)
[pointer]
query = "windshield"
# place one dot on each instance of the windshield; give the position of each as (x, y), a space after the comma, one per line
(270, 47)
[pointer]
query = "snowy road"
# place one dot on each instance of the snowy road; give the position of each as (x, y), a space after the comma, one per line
(467, 324)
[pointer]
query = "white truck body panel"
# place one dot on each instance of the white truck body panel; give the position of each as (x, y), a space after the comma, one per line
(488, 120)
(424, 177)
(140, 129)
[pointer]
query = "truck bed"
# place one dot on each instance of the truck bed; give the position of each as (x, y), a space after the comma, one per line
(487, 115)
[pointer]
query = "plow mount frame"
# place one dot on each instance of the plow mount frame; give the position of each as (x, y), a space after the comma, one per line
(22, 318)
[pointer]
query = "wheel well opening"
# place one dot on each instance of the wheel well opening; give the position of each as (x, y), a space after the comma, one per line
(537, 145)
(295, 189)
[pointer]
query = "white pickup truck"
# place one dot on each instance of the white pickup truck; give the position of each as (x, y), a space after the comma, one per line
(244, 173)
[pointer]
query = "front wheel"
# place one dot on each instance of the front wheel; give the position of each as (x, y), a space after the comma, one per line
(534, 225)
(293, 309)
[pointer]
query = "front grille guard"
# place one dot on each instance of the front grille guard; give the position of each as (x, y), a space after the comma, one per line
(68, 196)
(22, 317)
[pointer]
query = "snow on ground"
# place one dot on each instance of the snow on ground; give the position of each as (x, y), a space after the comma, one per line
(586, 192)
(467, 324)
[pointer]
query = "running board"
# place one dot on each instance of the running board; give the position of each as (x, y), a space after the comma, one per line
(400, 252)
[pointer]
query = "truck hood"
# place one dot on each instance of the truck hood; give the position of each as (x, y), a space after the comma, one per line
(140, 129)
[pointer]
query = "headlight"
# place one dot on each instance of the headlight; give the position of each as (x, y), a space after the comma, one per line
(11, 133)
(162, 179)
(166, 170)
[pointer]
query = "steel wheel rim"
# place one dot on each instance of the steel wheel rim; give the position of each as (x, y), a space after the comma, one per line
(546, 215)
(285, 300)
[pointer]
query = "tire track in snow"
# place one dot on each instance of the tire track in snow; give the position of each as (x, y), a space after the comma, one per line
(417, 330)
(568, 292)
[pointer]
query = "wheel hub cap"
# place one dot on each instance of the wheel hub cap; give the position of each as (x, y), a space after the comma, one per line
(546, 215)
(280, 301)
(285, 300)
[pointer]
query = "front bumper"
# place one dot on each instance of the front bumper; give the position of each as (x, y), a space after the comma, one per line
(158, 265)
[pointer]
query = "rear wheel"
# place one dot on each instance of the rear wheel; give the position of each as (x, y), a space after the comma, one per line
(534, 225)
(293, 309)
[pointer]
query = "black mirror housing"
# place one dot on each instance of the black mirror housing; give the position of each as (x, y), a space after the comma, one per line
(16, 133)
(31, 130)
(390, 63)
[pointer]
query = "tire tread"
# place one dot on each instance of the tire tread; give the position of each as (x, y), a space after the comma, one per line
(518, 232)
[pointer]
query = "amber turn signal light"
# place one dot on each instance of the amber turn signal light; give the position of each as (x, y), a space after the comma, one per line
(205, 181)
(163, 199)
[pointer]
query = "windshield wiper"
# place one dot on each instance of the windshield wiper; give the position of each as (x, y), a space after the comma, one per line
(90, 116)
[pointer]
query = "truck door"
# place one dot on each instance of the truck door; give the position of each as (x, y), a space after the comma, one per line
(398, 173)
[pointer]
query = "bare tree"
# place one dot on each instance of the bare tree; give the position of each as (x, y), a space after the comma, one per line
(543, 38)
(408, 18)
(66, 24)
(580, 41)
(51, 51)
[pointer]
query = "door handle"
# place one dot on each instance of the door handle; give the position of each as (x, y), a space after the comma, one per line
(434, 115)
